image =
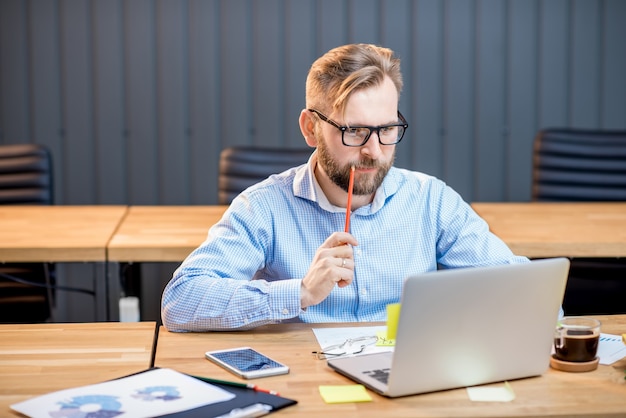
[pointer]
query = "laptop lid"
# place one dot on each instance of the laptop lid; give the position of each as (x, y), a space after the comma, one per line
(465, 327)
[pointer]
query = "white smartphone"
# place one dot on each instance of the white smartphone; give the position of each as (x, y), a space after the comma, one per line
(246, 362)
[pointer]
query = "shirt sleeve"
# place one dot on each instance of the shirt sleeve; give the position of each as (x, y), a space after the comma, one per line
(466, 240)
(464, 237)
(214, 288)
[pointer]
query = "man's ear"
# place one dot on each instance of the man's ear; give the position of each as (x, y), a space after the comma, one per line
(307, 127)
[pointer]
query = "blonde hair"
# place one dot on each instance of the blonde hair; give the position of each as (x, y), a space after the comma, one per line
(343, 70)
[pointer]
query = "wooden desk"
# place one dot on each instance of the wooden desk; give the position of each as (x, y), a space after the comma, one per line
(57, 233)
(41, 358)
(162, 233)
(558, 229)
(598, 393)
(60, 234)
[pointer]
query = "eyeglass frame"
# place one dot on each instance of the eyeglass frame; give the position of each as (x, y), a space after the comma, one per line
(364, 341)
(343, 129)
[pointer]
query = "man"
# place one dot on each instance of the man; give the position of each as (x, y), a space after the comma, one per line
(280, 253)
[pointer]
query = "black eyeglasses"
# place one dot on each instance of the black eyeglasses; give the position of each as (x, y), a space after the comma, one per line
(348, 347)
(357, 136)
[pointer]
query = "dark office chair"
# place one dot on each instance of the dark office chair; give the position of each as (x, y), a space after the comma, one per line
(25, 179)
(242, 166)
(579, 165)
(571, 165)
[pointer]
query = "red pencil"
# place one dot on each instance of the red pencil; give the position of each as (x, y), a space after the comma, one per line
(258, 389)
(349, 204)
(235, 384)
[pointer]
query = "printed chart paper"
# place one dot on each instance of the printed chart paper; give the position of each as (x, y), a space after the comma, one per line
(610, 348)
(152, 393)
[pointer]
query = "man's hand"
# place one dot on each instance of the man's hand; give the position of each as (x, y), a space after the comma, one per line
(333, 264)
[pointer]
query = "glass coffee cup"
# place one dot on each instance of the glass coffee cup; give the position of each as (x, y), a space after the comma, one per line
(576, 339)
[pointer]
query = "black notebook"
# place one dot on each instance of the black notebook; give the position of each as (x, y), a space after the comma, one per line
(244, 398)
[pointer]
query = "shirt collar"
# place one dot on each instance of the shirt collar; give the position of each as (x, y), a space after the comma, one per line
(305, 186)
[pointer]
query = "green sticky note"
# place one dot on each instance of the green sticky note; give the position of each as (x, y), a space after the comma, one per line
(344, 393)
(393, 314)
(383, 341)
(491, 394)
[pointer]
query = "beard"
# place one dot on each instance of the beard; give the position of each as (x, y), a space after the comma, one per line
(340, 175)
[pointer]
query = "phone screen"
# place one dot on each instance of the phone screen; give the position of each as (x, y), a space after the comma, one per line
(246, 360)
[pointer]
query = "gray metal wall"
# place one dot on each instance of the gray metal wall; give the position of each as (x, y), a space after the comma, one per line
(136, 98)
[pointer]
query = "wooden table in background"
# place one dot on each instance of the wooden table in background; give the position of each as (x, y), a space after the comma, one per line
(62, 234)
(36, 359)
(158, 234)
(57, 233)
(600, 393)
(162, 233)
(558, 229)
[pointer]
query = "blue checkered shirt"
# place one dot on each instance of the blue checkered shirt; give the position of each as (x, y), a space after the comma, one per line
(249, 270)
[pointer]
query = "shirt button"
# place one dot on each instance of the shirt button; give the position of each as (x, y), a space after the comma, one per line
(285, 311)
(358, 251)
(364, 291)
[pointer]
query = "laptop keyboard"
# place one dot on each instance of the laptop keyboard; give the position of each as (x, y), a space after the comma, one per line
(382, 375)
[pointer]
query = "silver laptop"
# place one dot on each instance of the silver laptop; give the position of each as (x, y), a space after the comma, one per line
(466, 327)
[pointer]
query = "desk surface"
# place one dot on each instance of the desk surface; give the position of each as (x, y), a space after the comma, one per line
(162, 233)
(558, 229)
(39, 358)
(57, 233)
(598, 393)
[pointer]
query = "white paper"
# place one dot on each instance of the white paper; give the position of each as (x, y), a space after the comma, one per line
(327, 337)
(153, 393)
(611, 348)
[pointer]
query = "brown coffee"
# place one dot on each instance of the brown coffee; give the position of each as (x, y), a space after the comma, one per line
(577, 346)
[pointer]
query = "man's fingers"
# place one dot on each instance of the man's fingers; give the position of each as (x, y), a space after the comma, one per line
(338, 239)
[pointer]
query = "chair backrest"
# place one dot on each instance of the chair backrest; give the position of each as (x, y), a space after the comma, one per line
(242, 166)
(26, 179)
(25, 175)
(579, 165)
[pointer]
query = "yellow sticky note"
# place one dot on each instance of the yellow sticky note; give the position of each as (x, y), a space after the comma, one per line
(393, 314)
(344, 393)
(491, 394)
